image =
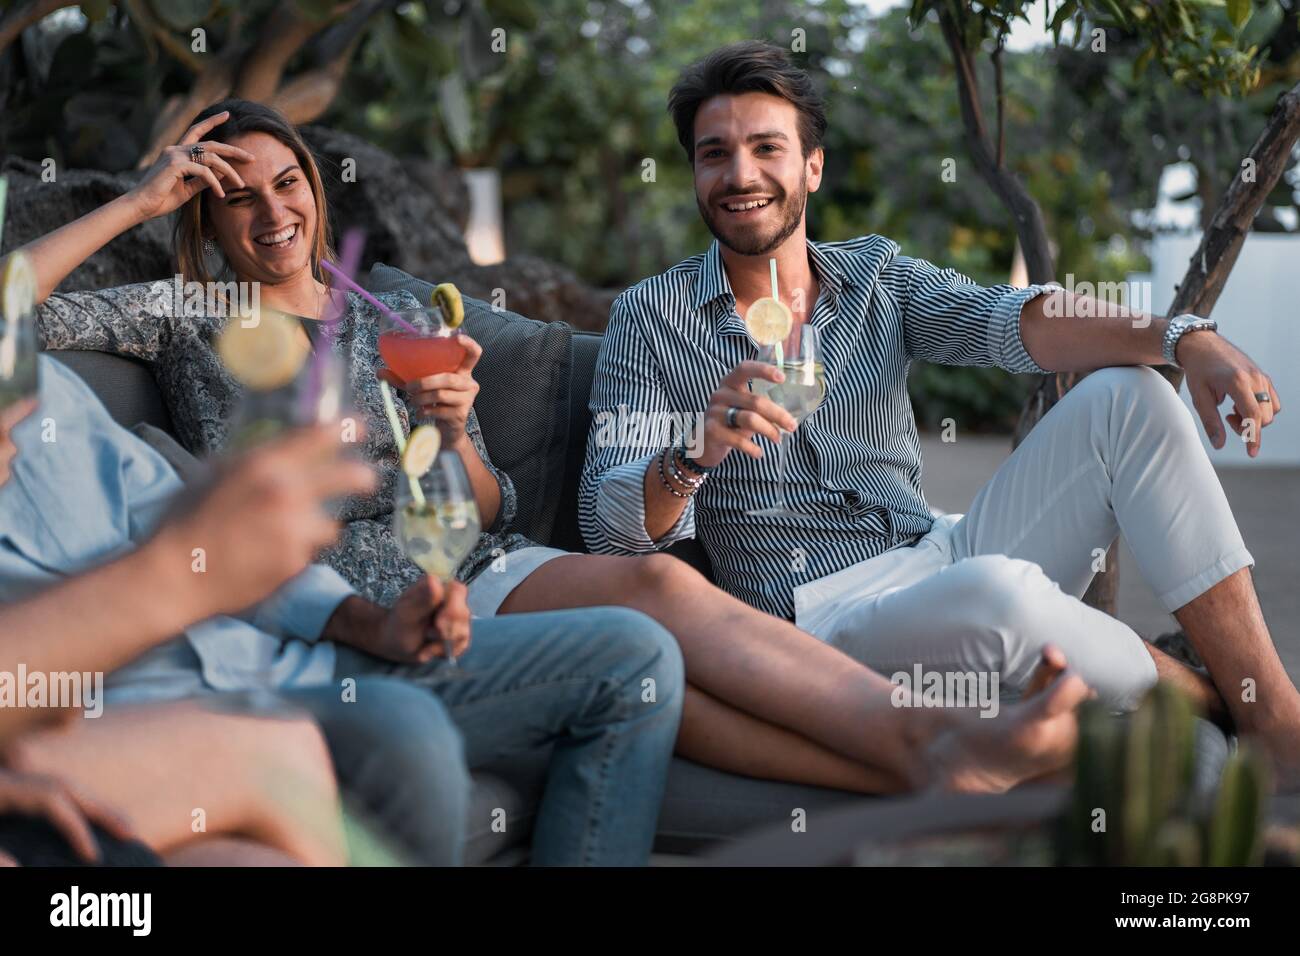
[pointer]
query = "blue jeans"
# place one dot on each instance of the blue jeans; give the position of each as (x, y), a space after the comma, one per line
(399, 761)
(604, 686)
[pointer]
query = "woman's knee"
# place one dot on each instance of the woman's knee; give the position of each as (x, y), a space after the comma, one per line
(664, 577)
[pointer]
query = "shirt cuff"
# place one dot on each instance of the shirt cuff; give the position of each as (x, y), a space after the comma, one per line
(303, 605)
(1006, 346)
(620, 510)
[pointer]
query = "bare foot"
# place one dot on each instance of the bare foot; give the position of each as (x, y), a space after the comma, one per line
(1280, 747)
(1032, 738)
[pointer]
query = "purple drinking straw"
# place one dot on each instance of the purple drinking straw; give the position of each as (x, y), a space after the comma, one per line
(335, 271)
(349, 259)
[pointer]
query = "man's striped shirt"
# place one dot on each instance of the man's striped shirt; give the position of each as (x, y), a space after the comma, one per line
(854, 465)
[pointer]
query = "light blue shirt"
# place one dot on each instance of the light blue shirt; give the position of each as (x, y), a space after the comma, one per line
(84, 490)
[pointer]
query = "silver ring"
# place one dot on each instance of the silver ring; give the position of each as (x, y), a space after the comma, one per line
(196, 153)
(1263, 397)
(732, 412)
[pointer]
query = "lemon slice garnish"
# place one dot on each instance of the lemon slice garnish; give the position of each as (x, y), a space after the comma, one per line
(769, 321)
(446, 298)
(17, 287)
(421, 449)
(265, 355)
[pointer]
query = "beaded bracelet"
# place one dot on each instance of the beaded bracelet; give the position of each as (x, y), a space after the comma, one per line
(684, 479)
(675, 460)
(679, 453)
(663, 476)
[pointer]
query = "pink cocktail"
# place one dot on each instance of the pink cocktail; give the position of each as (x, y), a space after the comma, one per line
(417, 356)
(420, 345)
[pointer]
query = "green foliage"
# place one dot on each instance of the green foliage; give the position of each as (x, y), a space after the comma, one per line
(1200, 43)
(1139, 772)
(183, 15)
(976, 399)
(576, 105)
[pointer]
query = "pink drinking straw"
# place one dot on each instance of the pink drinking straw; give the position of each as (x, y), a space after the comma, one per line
(342, 277)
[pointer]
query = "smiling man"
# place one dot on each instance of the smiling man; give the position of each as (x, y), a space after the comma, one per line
(865, 565)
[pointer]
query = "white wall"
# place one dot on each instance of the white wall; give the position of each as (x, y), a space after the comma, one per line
(1259, 311)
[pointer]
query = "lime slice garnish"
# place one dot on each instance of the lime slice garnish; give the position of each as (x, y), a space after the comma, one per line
(264, 355)
(769, 321)
(446, 298)
(421, 449)
(17, 287)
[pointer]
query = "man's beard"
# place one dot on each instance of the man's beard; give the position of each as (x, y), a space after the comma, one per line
(748, 242)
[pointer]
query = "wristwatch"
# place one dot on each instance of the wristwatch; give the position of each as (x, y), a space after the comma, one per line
(1179, 326)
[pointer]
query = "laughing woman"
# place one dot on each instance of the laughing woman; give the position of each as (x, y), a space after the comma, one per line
(765, 699)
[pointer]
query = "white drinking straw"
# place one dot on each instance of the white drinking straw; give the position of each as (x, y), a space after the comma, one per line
(778, 349)
(396, 424)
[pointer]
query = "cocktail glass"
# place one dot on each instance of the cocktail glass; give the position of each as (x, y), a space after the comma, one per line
(432, 348)
(438, 526)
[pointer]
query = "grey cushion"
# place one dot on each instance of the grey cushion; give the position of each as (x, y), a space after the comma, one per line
(586, 348)
(186, 465)
(838, 829)
(126, 386)
(502, 808)
(703, 806)
(523, 401)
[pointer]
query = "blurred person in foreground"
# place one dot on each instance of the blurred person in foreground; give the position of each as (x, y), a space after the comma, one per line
(398, 731)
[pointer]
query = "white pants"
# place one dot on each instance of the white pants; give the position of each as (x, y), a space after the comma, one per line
(986, 591)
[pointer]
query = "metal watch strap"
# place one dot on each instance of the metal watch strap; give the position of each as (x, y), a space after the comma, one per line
(1178, 326)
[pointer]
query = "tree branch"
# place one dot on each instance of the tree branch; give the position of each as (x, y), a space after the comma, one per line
(262, 69)
(1221, 242)
(304, 98)
(1000, 96)
(212, 84)
(152, 29)
(1028, 217)
(20, 18)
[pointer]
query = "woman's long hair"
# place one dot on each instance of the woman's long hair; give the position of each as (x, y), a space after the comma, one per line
(247, 117)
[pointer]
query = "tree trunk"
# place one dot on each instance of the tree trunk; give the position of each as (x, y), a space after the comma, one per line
(1221, 242)
(1031, 230)
(1200, 288)
(256, 71)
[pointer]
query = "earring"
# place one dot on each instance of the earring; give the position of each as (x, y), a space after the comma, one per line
(209, 247)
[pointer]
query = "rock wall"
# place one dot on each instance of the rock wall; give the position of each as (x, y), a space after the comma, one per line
(412, 212)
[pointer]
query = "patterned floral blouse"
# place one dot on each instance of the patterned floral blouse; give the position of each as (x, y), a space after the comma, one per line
(138, 320)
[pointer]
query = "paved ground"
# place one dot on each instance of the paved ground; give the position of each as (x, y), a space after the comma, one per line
(1265, 501)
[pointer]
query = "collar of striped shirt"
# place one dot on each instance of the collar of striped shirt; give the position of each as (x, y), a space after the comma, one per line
(854, 465)
(713, 283)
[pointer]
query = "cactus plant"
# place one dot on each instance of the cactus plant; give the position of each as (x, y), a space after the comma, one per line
(1237, 823)
(1133, 802)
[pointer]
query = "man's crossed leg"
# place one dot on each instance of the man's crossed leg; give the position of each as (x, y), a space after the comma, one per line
(1119, 454)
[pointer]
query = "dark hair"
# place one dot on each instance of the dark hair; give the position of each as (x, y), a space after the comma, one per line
(750, 66)
(248, 117)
